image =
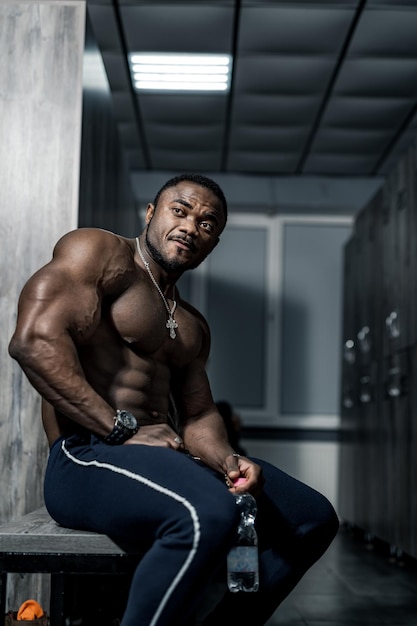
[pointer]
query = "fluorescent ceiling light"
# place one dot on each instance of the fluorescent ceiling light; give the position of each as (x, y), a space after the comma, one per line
(181, 72)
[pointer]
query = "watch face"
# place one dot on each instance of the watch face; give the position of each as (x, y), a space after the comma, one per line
(127, 420)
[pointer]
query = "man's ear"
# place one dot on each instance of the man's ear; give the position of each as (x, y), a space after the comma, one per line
(150, 210)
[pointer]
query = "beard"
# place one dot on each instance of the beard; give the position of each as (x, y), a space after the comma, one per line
(173, 266)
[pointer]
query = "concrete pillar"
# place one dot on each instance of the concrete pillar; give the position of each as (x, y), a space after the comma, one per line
(41, 48)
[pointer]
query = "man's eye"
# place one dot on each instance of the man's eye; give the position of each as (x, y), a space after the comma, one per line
(178, 210)
(207, 226)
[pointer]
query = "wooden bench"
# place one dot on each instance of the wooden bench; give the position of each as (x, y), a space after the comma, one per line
(35, 543)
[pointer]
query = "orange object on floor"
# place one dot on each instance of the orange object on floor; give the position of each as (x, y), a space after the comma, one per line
(29, 611)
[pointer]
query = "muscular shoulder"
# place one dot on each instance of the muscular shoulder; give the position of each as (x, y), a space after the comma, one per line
(87, 266)
(93, 248)
(84, 261)
(91, 254)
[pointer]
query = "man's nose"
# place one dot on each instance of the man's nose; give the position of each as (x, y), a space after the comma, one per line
(190, 227)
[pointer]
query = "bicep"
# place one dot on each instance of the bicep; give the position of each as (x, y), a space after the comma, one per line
(53, 303)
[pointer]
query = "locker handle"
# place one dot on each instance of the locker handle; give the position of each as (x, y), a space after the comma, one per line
(392, 325)
(395, 383)
(349, 351)
(365, 393)
(364, 339)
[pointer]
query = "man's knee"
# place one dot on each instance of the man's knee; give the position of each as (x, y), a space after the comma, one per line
(320, 530)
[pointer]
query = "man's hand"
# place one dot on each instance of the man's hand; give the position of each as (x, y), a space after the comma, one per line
(239, 467)
(157, 435)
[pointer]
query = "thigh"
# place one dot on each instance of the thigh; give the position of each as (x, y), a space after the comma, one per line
(120, 489)
(288, 509)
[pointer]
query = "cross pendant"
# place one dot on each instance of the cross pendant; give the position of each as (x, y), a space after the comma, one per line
(172, 324)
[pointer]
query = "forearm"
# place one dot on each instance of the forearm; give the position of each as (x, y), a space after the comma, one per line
(206, 438)
(55, 372)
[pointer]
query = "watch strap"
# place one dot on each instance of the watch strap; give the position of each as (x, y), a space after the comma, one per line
(120, 433)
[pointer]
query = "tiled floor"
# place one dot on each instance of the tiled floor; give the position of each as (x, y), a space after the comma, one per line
(353, 585)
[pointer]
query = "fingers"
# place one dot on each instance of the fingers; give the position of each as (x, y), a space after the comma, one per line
(157, 435)
(243, 474)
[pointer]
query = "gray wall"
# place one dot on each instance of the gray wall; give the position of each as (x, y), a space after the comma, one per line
(44, 112)
(311, 318)
(40, 112)
(40, 117)
(271, 292)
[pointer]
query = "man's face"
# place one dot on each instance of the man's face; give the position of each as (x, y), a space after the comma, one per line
(185, 226)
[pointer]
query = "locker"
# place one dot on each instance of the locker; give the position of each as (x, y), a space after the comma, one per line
(379, 366)
(412, 243)
(412, 453)
(394, 225)
(368, 337)
(365, 465)
(395, 415)
(348, 408)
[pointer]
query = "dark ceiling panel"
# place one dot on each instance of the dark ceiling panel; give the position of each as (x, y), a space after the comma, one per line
(270, 109)
(282, 75)
(323, 87)
(386, 34)
(295, 30)
(365, 112)
(378, 78)
(183, 109)
(178, 28)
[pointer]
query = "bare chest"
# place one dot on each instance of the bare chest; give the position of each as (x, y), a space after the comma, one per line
(141, 319)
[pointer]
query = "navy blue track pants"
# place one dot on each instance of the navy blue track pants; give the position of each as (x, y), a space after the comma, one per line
(182, 514)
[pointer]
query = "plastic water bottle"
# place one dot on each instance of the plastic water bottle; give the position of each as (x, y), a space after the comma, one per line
(242, 560)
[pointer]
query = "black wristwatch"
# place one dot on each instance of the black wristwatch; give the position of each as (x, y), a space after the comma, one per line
(125, 426)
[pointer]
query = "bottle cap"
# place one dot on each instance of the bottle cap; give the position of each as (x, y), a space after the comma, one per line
(239, 481)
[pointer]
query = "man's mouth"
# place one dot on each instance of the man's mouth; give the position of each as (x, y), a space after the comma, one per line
(186, 243)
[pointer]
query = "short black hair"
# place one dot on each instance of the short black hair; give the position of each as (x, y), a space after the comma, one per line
(198, 179)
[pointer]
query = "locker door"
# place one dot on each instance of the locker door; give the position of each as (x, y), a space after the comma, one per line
(412, 455)
(396, 260)
(364, 398)
(349, 406)
(367, 365)
(412, 230)
(387, 233)
(396, 443)
(402, 252)
(375, 467)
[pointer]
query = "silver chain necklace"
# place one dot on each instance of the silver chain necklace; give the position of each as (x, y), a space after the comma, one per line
(171, 323)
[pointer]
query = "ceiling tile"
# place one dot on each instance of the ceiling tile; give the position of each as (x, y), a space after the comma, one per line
(178, 28)
(262, 162)
(184, 138)
(358, 112)
(339, 163)
(282, 75)
(353, 141)
(377, 34)
(293, 30)
(303, 3)
(378, 77)
(291, 110)
(183, 109)
(269, 138)
(294, 98)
